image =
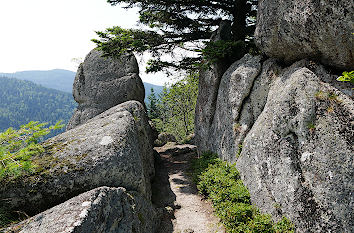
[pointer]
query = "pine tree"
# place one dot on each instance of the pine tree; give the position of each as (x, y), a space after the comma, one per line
(183, 24)
(152, 105)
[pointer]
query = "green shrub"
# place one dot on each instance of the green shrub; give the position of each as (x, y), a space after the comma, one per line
(261, 223)
(220, 182)
(284, 225)
(233, 214)
(201, 164)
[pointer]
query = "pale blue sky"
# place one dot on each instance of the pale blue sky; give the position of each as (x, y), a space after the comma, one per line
(48, 34)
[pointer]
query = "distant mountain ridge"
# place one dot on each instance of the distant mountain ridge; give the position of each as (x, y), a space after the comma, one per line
(57, 79)
(61, 80)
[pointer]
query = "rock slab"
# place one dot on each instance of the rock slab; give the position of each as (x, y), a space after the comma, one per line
(102, 83)
(113, 149)
(292, 30)
(101, 210)
(235, 87)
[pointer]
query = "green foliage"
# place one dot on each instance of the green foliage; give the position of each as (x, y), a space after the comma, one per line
(116, 41)
(181, 24)
(18, 146)
(176, 108)
(152, 105)
(200, 165)
(347, 77)
(239, 151)
(284, 225)
(223, 50)
(23, 101)
(220, 181)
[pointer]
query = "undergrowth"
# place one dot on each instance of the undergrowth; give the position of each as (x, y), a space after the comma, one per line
(220, 182)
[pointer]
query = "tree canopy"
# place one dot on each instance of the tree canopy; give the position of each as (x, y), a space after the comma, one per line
(184, 24)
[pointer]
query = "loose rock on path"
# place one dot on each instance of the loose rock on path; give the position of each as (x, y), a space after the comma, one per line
(185, 211)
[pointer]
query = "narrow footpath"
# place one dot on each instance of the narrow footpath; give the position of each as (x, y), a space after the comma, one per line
(185, 211)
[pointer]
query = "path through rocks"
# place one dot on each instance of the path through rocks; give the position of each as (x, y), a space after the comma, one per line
(185, 211)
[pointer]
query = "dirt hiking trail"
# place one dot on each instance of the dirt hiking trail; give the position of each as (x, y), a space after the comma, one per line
(185, 211)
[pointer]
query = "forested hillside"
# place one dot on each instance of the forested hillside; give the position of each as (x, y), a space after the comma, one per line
(23, 101)
(62, 80)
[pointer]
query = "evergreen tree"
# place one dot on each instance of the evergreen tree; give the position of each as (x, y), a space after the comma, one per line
(184, 24)
(152, 105)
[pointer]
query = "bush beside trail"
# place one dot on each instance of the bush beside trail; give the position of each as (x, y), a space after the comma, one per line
(220, 182)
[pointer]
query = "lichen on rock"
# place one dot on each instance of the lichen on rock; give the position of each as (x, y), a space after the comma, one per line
(103, 209)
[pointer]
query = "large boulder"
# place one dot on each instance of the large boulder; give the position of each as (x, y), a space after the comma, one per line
(113, 149)
(104, 209)
(102, 83)
(291, 30)
(290, 132)
(297, 160)
(209, 81)
(164, 138)
(236, 85)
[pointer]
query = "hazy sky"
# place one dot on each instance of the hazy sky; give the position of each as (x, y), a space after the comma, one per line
(48, 34)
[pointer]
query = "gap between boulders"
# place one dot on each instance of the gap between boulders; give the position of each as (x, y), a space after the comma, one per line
(184, 210)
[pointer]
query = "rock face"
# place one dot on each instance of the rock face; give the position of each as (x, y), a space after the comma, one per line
(209, 81)
(236, 85)
(290, 131)
(113, 149)
(298, 157)
(110, 210)
(291, 30)
(102, 83)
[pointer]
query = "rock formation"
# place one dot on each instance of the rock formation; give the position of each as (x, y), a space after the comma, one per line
(113, 149)
(102, 209)
(236, 84)
(102, 83)
(291, 30)
(297, 158)
(289, 127)
(209, 81)
(101, 168)
(290, 131)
